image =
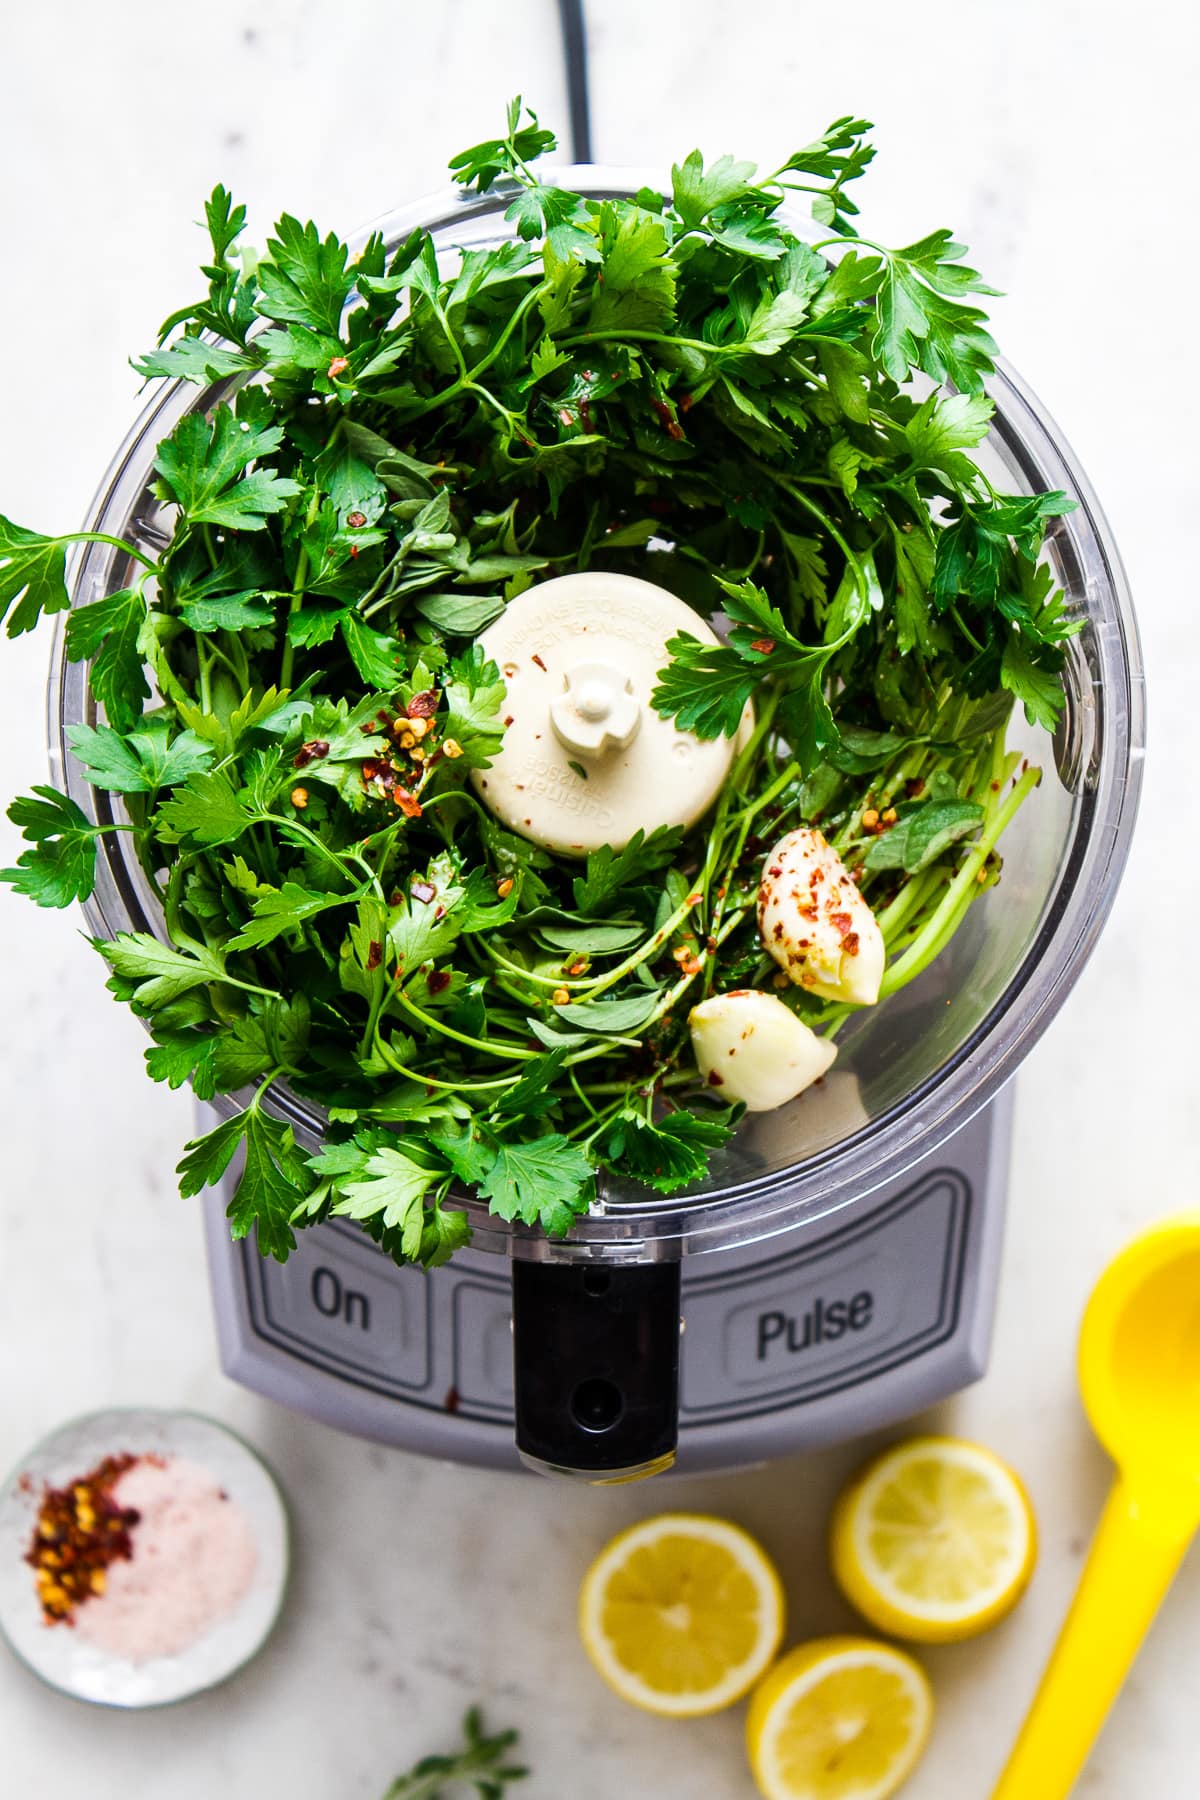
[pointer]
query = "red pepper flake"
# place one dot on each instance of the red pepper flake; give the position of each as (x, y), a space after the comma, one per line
(408, 803)
(423, 706)
(438, 980)
(715, 1080)
(843, 924)
(764, 646)
(316, 747)
(686, 403)
(537, 659)
(356, 520)
(374, 954)
(452, 1401)
(80, 1531)
(667, 419)
(338, 366)
(424, 891)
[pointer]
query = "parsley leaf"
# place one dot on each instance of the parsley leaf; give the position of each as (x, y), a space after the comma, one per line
(273, 1184)
(922, 321)
(391, 1187)
(609, 870)
(159, 973)
(636, 289)
(184, 1057)
(944, 425)
(200, 464)
(62, 865)
(375, 655)
(547, 1180)
(277, 911)
(306, 279)
(921, 835)
(475, 696)
(669, 1154)
(479, 166)
(141, 762)
(194, 359)
(206, 809)
(1034, 677)
(559, 216)
(32, 576)
(839, 155)
(109, 633)
(418, 935)
(696, 191)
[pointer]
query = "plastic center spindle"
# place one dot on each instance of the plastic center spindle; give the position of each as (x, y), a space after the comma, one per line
(597, 709)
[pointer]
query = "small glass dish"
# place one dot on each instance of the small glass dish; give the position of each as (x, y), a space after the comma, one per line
(57, 1653)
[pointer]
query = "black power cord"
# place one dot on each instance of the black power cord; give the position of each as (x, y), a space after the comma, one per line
(574, 34)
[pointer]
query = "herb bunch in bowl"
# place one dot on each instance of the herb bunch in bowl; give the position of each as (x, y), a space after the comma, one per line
(385, 450)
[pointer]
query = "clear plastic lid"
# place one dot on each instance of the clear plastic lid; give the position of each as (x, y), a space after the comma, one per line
(917, 1067)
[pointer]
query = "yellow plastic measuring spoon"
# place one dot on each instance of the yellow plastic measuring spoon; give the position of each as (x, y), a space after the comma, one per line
(1139, 1372)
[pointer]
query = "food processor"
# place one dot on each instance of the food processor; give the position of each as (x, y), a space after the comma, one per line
(837, 1268)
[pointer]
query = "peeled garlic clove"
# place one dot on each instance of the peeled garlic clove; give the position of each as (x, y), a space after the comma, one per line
(749, 1047)
(816, 924)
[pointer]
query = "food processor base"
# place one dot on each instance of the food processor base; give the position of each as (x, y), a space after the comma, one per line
(837, 1326)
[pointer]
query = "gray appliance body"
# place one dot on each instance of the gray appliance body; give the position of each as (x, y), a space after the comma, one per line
(862, 1316)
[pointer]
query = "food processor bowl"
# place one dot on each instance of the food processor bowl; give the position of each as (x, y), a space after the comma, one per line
(910, 1072)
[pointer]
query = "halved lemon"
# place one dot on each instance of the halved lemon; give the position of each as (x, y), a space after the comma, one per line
(681, 1614)
(838, 1719)
(935, 1540)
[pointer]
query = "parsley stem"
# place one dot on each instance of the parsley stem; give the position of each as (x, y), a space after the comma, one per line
(642, 337)
(452, 1087)
(204, 664)
(101, 537)
(548, 981)
(797, 492)
(339, 861)
(471, 376)
(513, 1052)
(300, 582)
(676, 992)
(936, 933)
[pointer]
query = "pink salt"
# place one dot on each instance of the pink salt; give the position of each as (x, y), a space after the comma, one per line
(194, 1558)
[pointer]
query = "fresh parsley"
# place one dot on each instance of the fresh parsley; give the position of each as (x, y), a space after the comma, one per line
(386, 446)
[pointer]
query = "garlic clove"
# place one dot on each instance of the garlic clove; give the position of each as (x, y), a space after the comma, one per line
(750, 1047)
(816, 924)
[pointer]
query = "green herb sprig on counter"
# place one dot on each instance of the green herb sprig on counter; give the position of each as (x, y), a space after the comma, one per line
(387, 448)
(481, 1764)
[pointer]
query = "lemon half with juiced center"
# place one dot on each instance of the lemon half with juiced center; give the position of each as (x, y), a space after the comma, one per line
(935, 1540)
(681, 1614)
(838, 1719)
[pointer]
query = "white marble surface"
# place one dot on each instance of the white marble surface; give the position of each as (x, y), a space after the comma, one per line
(1057, 137)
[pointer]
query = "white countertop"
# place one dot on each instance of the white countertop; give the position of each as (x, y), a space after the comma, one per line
(1058, 140)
